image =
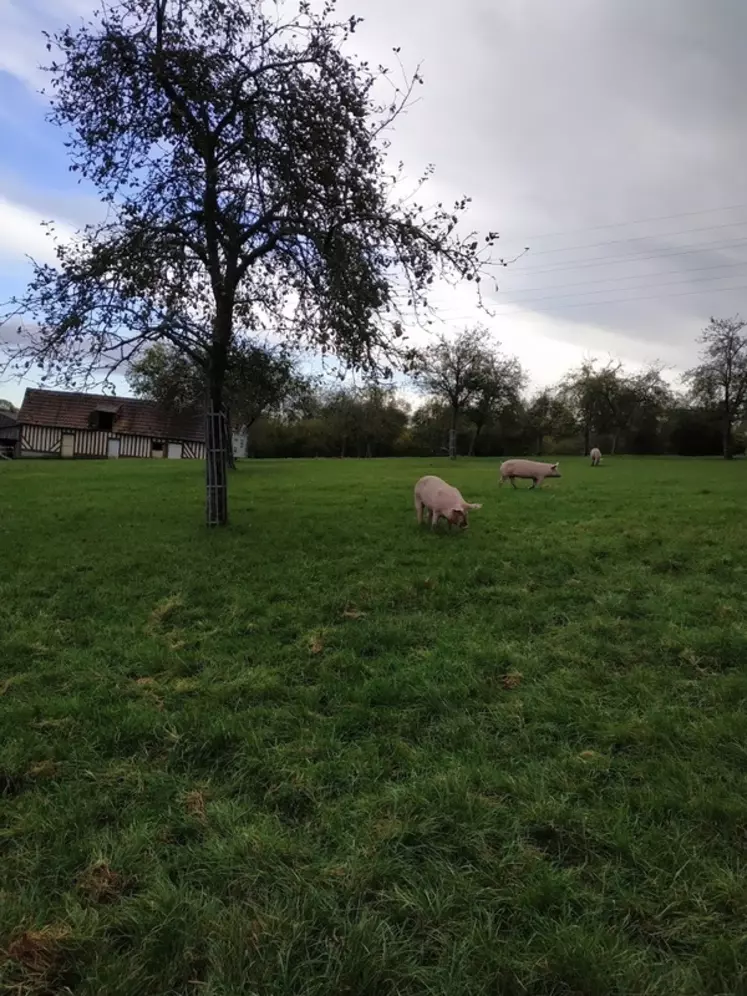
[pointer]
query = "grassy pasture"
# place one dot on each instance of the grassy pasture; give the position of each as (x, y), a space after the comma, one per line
(325, 752)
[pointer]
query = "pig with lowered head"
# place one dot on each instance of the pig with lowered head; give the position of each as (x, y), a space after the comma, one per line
(596, 456)
(441, 500)
(529, 470)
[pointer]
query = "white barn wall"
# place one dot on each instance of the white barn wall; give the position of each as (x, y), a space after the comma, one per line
(40, 440)
(89, 443)
(193, 451)
(136, 446)
(44, 441)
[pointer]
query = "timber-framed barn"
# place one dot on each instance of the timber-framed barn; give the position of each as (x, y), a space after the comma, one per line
(91, 426)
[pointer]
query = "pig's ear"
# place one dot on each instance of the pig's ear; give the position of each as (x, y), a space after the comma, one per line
(556, 465)
(473, 505)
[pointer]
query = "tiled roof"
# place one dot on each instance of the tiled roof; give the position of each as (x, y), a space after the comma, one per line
(134, 416)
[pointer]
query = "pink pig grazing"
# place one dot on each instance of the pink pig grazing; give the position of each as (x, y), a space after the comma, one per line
(440, 499)
(532, 470)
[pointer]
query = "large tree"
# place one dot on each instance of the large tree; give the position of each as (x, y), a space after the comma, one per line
(548, 414)
(719, 382)
(615, 400)
(341, 416)
(164, 374)
(259, 381)
(501, 382)
(609, 400)
(654, 401)
(364, 421)
(594, 395)
(385, 419)
(577, 392)
(242, 158)
(452, 370)
(429, 427)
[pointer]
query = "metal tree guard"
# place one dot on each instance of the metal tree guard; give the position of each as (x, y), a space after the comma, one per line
(216, 466)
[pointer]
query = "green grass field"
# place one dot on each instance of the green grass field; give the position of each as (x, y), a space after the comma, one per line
(325, 752)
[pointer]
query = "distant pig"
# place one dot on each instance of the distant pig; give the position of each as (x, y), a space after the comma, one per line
(596, 456)
(440, 499)
(530, 470)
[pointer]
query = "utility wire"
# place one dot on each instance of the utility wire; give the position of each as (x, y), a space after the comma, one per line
(640, 238)
(630, 276)
(527, 303)
(635, 221)
(611, 290)
(623, 300)
(584, 264)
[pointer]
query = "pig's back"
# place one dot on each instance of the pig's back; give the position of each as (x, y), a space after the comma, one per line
(520, 468)
(434, 492)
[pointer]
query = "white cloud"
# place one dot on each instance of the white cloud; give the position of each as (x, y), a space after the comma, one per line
(547, 346)
(22, 45)
(22, 234)
(561, 118)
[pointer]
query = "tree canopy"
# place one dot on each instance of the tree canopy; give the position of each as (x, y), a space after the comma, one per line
(259, 381)
(467, 372)
(608, 400)
(720, 379)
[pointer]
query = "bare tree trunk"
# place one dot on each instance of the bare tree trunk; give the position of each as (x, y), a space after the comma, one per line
(472, 441)
(726, 441)
(230, 459)
(615, 437)
(453, 436)
(540, 442)
(587, 434)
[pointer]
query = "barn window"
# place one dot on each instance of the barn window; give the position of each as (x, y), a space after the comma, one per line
(157, 446)
(105, 421)
(103, 416)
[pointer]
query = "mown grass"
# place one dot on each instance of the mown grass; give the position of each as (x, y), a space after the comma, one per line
(325, 752)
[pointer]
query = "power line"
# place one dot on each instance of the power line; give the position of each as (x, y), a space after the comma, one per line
(632, 276)
(623, 300)
(584, 264)
(442, 313)
(640, 238)
(606, 290)
(635, 221)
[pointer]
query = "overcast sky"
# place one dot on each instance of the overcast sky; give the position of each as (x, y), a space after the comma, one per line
(607, 135)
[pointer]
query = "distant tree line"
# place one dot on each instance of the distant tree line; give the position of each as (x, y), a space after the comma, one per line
(474, 403)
